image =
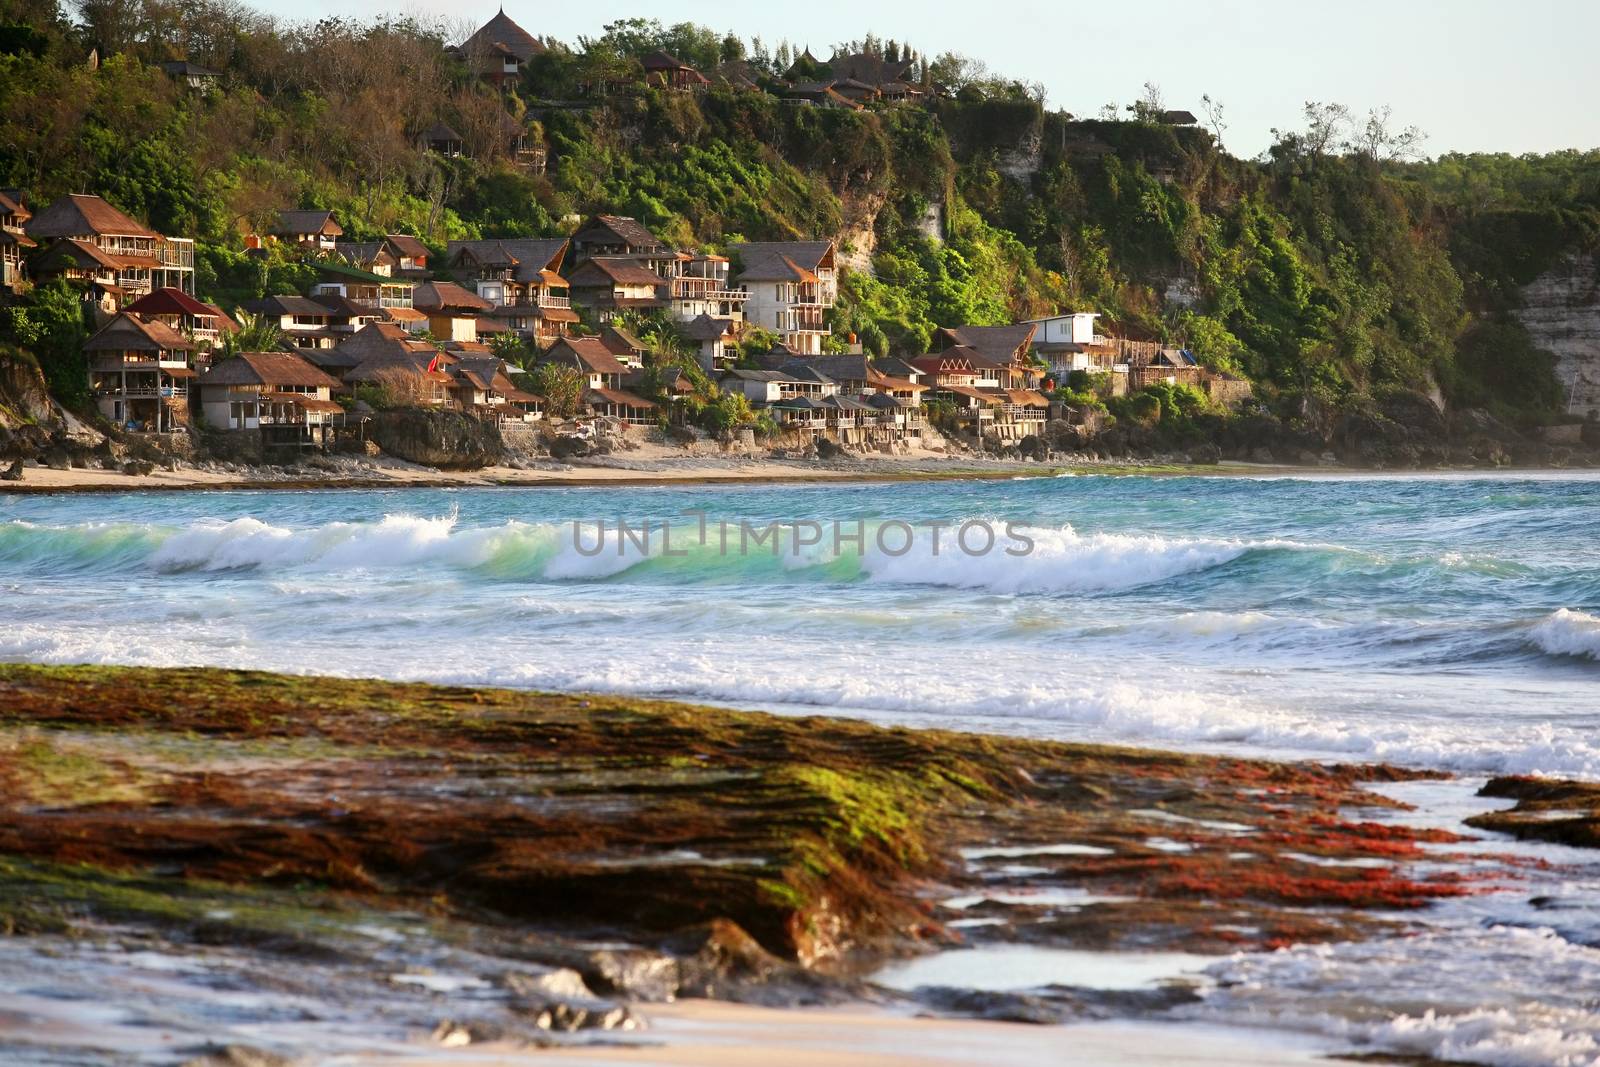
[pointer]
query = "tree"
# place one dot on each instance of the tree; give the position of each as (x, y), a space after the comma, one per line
(1150, 106)
(1325, 125)
(1377, 141)
(256, 333)
(1213, 112)
(52, 327)
(726, 412)
(509, 347)
(561, 386)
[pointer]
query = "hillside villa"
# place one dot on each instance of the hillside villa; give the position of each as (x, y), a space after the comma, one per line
(376, 315)
(139, 373)
(792, 284)
(204, 324)
(117, 258)
(14, 240)
(278, 393)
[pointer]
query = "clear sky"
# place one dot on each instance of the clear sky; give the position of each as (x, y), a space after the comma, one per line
(1477, 75)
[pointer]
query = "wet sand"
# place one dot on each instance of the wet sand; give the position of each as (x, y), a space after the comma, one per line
(701, 1033)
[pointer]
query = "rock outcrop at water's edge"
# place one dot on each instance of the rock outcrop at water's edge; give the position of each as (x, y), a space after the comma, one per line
(433, 437)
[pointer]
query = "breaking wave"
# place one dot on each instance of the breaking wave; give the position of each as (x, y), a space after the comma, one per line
(995, 558)
(1568, 633)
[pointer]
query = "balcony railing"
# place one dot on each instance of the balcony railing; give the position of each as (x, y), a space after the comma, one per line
(176, 252)
(143, 392)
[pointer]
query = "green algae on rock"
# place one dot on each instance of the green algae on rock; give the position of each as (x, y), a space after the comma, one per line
(824, 839)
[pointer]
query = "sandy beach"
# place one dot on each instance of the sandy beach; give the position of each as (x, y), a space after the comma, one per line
(649, 464)
(702, 1033)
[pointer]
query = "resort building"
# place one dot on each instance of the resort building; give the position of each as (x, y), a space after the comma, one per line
(362, 286)
(313, 229)
(279, 393)
(520, 279)
(15, 244)
(129, 259)
(614, 283)
(603, 379)
(397, 255)
(139, 373)
(700, 286)
(498, 50)
(616, 235)
(452, 311)
(792, 284)
(481, 387)
(204, 324)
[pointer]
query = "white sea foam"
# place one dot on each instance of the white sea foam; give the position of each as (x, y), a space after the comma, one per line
(1060, 561)
(1568, 633)
(1501, 996)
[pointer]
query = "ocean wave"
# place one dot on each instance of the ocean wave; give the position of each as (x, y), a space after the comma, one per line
(1060, 561)
(1568, 633)
(994, 556)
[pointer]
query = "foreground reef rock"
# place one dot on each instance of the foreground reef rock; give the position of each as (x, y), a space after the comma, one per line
(745, 846)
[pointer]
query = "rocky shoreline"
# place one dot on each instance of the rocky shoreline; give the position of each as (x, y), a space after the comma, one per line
(494, 865)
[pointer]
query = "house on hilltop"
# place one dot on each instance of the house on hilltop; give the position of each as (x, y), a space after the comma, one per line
(314, 229)
(664, 71)
(498, 50)
(200, 79)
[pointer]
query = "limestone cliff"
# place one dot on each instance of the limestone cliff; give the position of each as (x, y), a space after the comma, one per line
(1561, 311)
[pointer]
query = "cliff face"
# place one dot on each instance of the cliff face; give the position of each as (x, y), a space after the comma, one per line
(1561, 311)
(24, 398)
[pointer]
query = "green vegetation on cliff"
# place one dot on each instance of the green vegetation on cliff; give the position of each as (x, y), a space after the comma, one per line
(1331, 271)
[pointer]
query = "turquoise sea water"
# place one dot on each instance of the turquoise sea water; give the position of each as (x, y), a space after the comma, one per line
(1447, 621)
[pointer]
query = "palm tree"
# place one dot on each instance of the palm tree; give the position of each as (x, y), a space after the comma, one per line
(256, 333)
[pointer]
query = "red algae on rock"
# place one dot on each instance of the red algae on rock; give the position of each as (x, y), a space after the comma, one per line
(818, 837)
